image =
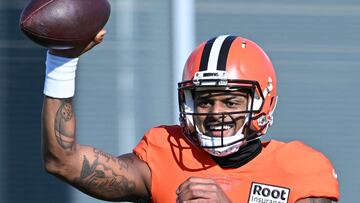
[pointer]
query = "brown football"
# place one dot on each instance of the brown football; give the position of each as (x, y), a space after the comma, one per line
(64, 24)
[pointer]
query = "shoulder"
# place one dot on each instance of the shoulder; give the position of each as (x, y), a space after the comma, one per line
(164, 129)
(166, 136)
(160, 135)
(297, 157)
(305, 166)
(157, 138)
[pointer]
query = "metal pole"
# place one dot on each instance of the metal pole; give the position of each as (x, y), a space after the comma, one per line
(183, 40)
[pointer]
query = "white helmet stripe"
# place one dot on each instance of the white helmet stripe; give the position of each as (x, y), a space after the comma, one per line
(214, 53)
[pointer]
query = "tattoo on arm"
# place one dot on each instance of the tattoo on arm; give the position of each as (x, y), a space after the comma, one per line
(65, 137)
(101, 178)
(123, 164)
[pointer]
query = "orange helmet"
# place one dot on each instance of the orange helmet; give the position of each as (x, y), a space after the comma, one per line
(229, 62)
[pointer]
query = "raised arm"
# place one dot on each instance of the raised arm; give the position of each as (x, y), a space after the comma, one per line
(92, 171)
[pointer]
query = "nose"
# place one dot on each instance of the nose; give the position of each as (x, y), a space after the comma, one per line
(216, 109)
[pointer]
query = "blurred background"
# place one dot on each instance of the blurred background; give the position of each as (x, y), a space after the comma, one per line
(128, 83)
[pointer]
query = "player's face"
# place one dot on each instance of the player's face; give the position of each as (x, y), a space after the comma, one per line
(212, 102)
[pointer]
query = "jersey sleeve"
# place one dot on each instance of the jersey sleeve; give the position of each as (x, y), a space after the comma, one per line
(311, 169)
(141, 148)
(152, 141)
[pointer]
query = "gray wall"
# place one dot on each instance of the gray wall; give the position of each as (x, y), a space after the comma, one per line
(124, 86)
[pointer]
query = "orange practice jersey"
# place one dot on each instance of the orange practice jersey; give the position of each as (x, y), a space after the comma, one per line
(281, 173)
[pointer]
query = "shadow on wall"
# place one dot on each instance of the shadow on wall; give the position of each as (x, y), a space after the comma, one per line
(25, 178)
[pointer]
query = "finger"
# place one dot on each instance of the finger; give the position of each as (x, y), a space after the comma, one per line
(197, 188)
(194, 181)
(187, 195)
(197, 201)
(100, 36)
(97, 40)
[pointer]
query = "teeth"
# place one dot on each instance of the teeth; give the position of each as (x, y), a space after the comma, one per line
(219, 127)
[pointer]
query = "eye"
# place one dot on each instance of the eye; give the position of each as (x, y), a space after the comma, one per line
(202, 103)
(232, 104)
(236, 104)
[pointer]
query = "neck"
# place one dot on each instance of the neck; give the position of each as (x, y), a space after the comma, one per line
(241, 157)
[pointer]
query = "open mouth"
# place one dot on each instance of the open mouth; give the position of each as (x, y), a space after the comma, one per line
(217, 130)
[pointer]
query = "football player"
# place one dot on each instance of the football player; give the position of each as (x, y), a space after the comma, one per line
(227, 98)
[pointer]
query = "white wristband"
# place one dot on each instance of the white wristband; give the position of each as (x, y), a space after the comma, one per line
(60, 76)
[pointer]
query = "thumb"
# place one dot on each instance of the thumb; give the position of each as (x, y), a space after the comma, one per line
(97, 40)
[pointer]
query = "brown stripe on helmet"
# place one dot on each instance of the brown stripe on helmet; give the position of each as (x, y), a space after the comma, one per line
(224, 50)
(206, 54)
